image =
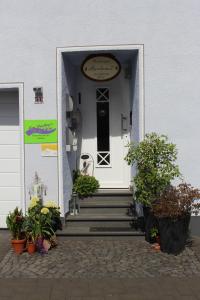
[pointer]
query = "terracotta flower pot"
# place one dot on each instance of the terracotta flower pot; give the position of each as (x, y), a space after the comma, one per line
(31, 248)
(158, 239)
(18, 245)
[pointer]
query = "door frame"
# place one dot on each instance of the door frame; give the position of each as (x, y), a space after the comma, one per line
(60, 51)
(20, 87)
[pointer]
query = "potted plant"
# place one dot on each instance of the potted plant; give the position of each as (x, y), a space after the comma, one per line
(155, 238)
(154, 158)
(15, 222)
(173, 209)
(85, 185)
(43, 220)
(30, 227)
(54, 210)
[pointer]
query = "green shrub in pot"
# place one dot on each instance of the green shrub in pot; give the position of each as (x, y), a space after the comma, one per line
(85, 185)
(155, 161)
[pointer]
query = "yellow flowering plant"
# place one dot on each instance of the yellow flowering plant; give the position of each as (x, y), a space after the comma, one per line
(39, 218)
(44, 211)
(51, 204)
(45, 218)
(34, 202)
(55, 213)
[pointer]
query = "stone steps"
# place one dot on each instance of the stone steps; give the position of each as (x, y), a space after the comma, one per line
(106, 213)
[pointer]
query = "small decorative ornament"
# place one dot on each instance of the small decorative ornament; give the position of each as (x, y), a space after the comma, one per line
(101, 67)
(37, 188)
(38, 95)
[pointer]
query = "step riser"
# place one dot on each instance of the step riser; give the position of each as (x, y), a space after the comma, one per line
(98, 223)
(104, 211)
(105, 204)
(113, 198)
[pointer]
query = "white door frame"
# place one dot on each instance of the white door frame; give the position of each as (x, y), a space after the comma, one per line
(61, 50)
(20, 87)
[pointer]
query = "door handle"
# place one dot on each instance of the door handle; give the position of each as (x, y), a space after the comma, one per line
(123, 123)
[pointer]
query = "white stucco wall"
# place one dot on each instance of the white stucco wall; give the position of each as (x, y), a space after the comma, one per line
(31, 31)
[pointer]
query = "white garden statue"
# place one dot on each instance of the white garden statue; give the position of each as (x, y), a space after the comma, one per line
(37, 188)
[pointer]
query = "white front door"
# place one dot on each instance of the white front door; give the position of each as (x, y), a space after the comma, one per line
(105, 109)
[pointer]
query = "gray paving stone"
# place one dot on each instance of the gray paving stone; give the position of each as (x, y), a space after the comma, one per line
(100, 259)
(87, 298)
(101, 269)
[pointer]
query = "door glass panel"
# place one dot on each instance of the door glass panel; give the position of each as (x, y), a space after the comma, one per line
(103, 131)
(103, 126)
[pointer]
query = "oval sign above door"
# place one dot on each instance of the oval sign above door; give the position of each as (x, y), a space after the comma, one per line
(101, 67)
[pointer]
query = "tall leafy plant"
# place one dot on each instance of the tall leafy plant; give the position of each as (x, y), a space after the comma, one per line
(15, 223)
(155, 159)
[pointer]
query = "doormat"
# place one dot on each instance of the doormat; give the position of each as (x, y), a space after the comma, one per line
(111, 229)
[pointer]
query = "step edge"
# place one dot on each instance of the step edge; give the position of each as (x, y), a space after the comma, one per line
(102, 233)
(101, 220)
(104, 206)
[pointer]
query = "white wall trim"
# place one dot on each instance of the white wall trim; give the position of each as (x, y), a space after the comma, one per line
(60, 142)
(20, 87)
(141, 94)
(61, 50)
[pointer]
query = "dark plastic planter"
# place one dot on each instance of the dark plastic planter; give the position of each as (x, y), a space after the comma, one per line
(173, 234)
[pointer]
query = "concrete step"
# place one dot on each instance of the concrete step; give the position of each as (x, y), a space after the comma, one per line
(110, 194)
(113, 192)
(93, 217)
(87, 232)
(100, 237)
(100, 220)
(96, 210)
(101, 202)
(112, 198)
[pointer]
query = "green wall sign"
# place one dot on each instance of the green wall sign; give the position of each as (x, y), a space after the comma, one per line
(40, 131)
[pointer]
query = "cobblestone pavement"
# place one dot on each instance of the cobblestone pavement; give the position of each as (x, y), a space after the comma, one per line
(100, 259)
(85, 262)
(4, 243)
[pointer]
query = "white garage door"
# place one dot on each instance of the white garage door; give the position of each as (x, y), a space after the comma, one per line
(10, 190)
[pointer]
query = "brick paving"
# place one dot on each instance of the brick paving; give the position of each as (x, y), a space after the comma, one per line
(101, 269)
(96, 259)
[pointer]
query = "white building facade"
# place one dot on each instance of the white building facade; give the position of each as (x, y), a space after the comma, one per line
(43, 47)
